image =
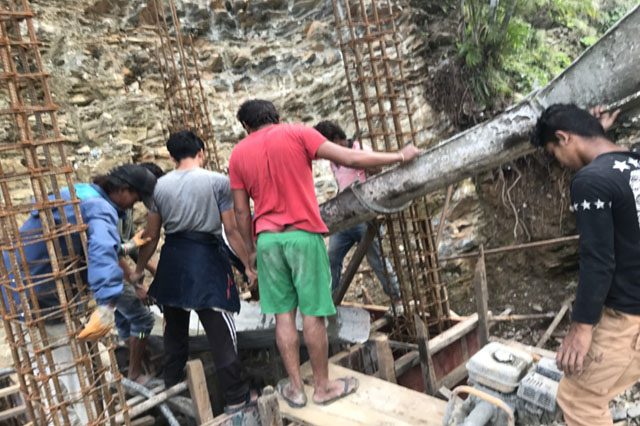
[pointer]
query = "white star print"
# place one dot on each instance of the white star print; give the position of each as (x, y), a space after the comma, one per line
(634, 162)
(599, 204)
(575, 206)
(610, 202)
(621, 165)
(586, 205)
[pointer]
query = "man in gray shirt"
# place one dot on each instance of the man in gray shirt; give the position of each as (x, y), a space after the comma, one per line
(194, 271)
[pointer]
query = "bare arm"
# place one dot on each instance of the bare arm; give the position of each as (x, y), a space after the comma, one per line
(152, 231)
(242, 211)
(236, 242)
(364, 159)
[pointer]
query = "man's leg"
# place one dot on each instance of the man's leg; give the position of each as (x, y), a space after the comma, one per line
(387, 278)
(140, 321)
(339, 245)
(614, 365)
(176, 344)
(278, 296)
(309, 262)
(289, 347)
(221, 334)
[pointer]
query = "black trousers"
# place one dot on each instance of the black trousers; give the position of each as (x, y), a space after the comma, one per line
(221, 334)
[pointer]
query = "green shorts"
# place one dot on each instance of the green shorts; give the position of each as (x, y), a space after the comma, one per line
(293, 271)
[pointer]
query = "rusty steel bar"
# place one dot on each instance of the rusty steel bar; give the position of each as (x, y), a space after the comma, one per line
(373, 63)
(514, 247)
(184, 93)
(34, 187)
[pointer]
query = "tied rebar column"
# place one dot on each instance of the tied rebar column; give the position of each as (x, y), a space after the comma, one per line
(34, 172)
(184, 94)
(381, 105)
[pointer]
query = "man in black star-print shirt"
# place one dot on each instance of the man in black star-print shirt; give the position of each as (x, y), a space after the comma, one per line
(601, 353)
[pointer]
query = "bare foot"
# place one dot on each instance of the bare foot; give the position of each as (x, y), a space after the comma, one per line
(335, 390)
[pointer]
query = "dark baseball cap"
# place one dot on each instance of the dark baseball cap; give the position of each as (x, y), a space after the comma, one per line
(139, 179)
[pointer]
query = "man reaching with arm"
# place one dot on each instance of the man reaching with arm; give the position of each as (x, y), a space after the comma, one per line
(272, 166)
(194, 271)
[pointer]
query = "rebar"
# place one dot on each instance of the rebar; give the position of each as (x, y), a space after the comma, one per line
(184, 93)
(34, 171)
(382, 108)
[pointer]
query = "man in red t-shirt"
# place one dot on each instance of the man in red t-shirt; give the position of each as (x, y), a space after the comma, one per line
(272, 166)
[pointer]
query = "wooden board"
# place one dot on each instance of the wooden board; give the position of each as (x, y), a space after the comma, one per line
(377, 402)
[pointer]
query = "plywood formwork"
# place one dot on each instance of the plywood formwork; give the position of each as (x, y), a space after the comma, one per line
(34, 172)
(383, 112)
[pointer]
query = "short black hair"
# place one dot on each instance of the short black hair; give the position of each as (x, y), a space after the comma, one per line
(184, 144)
(153, 168)
(330, 130)
(258, 112)
(565, 117)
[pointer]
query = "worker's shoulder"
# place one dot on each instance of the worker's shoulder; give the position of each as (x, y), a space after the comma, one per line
(98, 207)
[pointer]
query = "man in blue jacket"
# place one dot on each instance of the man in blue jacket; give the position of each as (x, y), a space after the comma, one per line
(101, 203)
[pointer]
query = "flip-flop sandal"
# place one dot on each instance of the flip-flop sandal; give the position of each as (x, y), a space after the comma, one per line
(345, 392)
(282, 384)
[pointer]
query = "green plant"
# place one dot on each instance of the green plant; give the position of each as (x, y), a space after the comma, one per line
(489, 34)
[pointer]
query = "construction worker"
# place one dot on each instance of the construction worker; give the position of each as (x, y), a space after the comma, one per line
(194, 271)
(134, 325)
(341, 242)
(100, 205)
(272, 166)
(600, 354)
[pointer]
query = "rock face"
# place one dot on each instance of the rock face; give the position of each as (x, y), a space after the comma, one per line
(102, 57)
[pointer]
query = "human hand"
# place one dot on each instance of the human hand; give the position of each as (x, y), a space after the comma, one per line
(100, 323)
(139, 240)
(606, 119)
(136, 277)
(574, 348)
(409, 152)
(252, 275)
(141, 291)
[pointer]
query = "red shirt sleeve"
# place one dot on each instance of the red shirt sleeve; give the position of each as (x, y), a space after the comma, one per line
(311, 139)
(235, 174)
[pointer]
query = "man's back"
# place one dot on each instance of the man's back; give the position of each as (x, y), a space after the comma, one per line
(273, 165)
(606, 199)
(192, 200)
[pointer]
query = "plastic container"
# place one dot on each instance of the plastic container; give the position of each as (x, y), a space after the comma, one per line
(539, 390)
(499, 367)
(547, 367)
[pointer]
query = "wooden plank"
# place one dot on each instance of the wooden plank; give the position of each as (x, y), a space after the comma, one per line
(561, 313)
(199, 392)
(269, 408)
(452, 334)
(406, 362)
(455, 377)
(375, 403)
(428, 374)
(9, 390)
(356, 260)
(12, 412)
(482, 298)
(386, 364)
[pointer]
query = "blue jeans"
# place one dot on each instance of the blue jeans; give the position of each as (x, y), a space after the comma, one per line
(133, 318)
(339, 245)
